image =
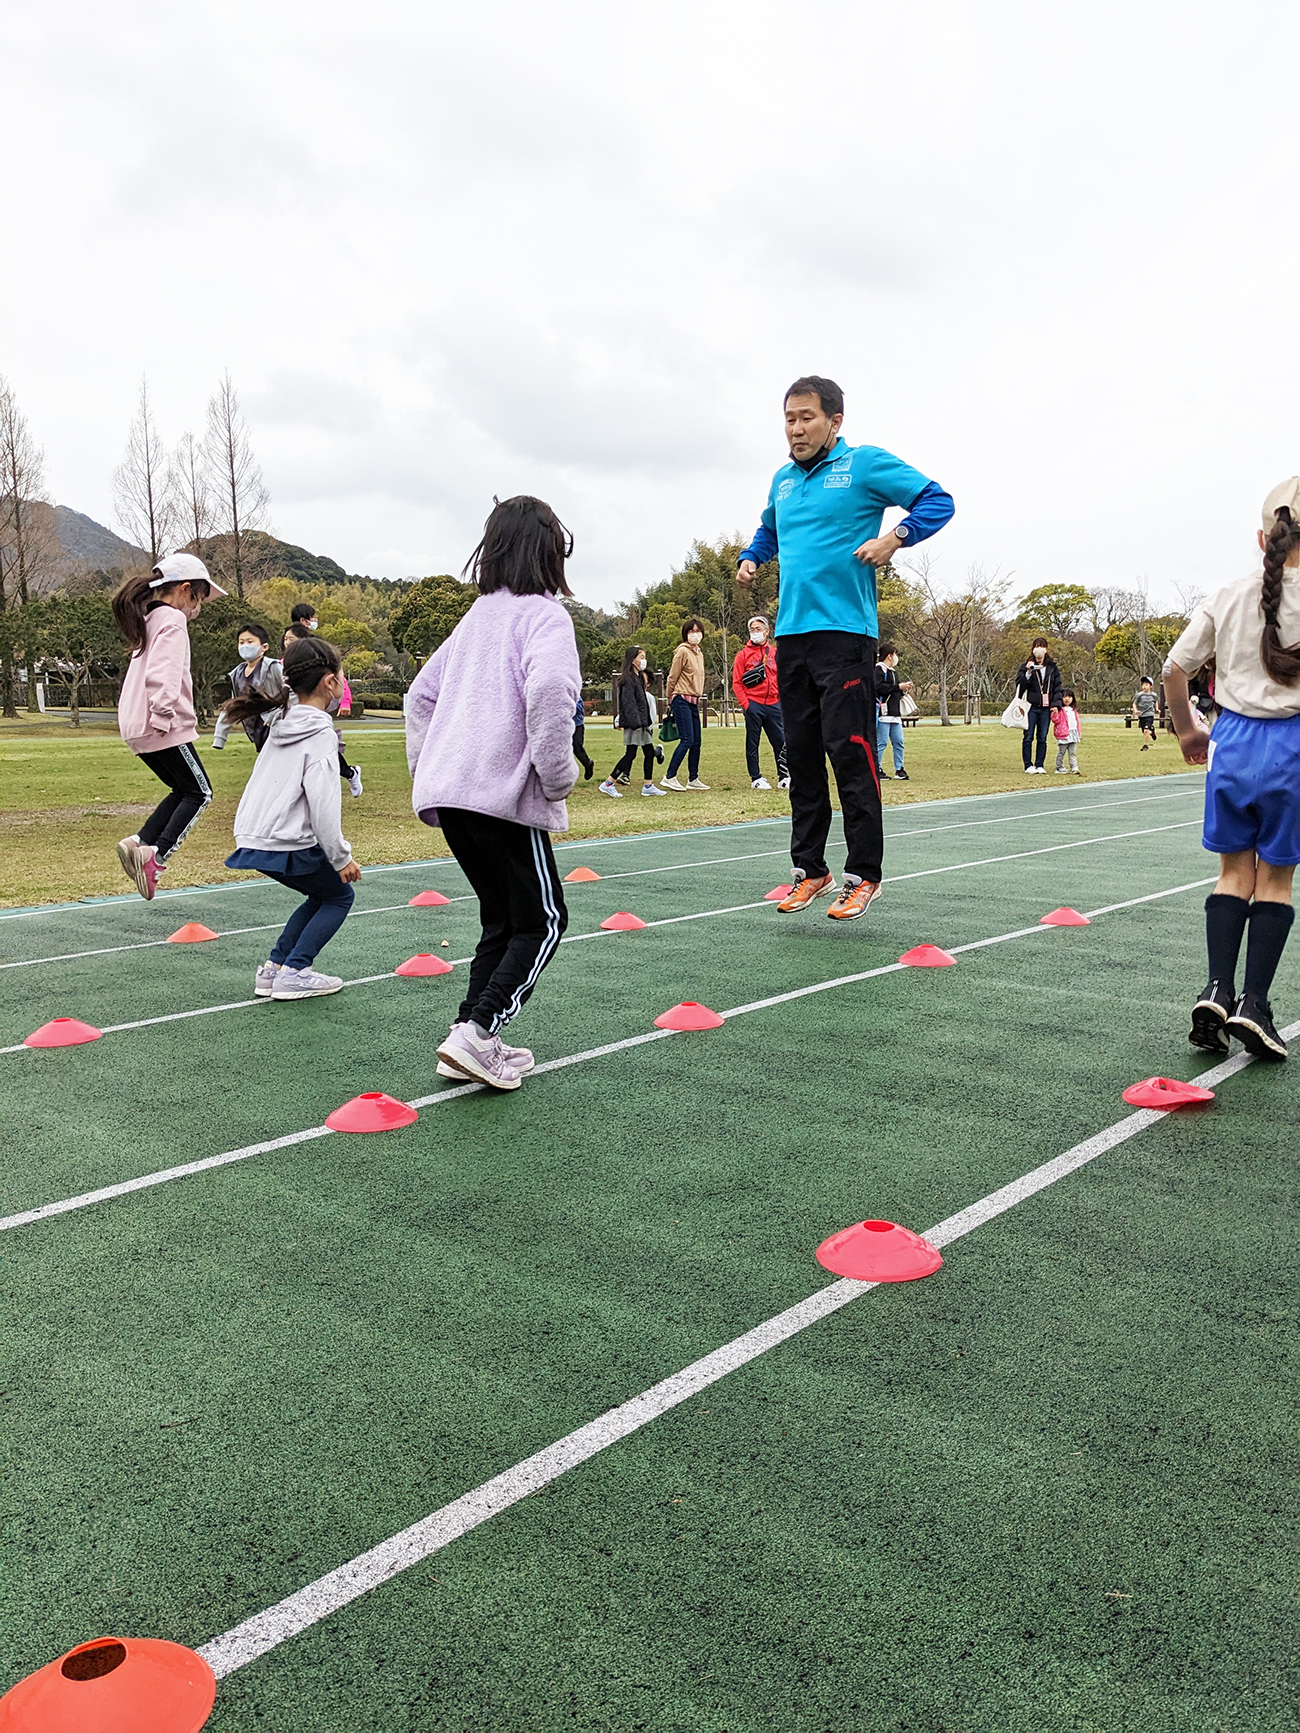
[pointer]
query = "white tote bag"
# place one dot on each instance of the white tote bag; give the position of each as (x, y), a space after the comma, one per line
(908, 708)
(1016, 714)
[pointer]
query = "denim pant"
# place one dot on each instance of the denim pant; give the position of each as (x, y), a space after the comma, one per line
(687, 718)
(889, 728)
(1040, 721)
(763, 719)
(315, 921)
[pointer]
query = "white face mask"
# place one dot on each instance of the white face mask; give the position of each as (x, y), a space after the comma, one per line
(692, 637)
(250, 652)
(312, 625)
(1040, 654)
(758, 637)
(639, 663)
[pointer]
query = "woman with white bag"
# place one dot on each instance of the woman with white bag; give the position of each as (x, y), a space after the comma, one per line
(1038, 682)
(891, 694)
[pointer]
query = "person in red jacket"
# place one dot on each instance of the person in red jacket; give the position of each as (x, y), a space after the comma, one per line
(753, 680)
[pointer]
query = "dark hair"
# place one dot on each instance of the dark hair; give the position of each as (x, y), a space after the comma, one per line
(1282, 661)
(295, 634)
(302, 611)
(1037, 642)
(523, 550)
(1146, 680)
(886, 649)
(629, 657)
(692, 625)
(826, 391)
(306, 663)
(1067, 692)
(134, 597)
(259, 632)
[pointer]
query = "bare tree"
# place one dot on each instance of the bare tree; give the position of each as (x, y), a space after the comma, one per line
(955, 632)
(143, 500)
(1113, 606)
(191, 492)
(27, 547)
(239, 494)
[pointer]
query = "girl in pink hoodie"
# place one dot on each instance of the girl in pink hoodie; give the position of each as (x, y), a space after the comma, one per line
(155, 713)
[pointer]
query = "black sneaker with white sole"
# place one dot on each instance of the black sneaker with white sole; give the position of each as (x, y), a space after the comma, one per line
(1210, 1018)
(1252, 1024)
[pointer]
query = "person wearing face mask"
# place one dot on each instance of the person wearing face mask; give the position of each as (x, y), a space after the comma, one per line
(753, 680)
(1039, 680)
(683, 691)
(288, 825)
(304, 614)
(633, 703)
(298, 632)
(257, 672)
(889, 697)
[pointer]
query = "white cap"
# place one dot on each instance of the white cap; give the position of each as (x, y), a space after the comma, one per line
(1286, 493)
(183, 569)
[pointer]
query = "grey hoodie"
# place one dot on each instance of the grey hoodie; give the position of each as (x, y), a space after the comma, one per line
(294, 798)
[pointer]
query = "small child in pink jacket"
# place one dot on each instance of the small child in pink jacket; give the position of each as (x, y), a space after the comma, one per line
(1065, 726)
(489, 739)
(155, 713)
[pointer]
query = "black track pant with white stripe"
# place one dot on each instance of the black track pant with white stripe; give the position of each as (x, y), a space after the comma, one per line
(521, 904)
(169, 824)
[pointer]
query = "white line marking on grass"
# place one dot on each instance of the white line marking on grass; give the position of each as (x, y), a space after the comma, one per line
(297, 1612)
(24, 1217)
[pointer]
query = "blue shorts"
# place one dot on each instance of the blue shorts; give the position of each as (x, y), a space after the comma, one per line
(1252, 792)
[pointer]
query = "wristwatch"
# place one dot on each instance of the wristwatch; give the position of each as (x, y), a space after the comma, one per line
(902, 532)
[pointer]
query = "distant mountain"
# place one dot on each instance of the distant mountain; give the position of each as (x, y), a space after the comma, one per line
(88, 546)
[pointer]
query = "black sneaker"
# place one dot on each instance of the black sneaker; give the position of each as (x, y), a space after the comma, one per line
(901, 776)
(1210, 1019)
(1252, 1024)
(623, 779)
(586, 775)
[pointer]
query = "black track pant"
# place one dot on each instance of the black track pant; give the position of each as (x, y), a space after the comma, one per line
(625, 763)
(580, 748)
(169, 824)
(521, 905)
(828, 705)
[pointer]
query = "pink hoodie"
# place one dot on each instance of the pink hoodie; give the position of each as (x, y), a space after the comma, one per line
(156, 709)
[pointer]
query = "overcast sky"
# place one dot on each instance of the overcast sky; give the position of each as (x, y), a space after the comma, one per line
(579, 250)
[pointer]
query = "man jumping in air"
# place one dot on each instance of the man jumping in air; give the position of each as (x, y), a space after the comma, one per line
(823, 518)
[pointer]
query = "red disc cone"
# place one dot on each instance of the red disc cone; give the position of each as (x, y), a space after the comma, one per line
(428, 900)
(622, 923)
(778, 893)
(192, 933)
(373, 1111)
(1166, 1093)
(878, 1252)
(927, 957)
(111, 1684)
(689, 1015)
(62, 1032)
(1065, 918)
(423, 963)
(581, 876)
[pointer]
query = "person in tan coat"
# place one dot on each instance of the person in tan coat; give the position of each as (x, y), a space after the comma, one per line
(684, 690)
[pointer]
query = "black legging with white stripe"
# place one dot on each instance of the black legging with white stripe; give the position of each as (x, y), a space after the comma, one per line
(521, 905)
(170, 823)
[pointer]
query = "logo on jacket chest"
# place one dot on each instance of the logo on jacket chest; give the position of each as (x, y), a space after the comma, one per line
(785, 490)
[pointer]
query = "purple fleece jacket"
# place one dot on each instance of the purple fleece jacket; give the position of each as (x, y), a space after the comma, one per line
(489, 718)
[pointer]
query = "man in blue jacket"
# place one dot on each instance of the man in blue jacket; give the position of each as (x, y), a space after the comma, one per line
(823, 518)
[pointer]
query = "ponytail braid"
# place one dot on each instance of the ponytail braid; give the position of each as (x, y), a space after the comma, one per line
(1281, 661)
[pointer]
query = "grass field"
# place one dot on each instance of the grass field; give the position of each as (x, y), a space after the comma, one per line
(1044, 1488)
(65, 797)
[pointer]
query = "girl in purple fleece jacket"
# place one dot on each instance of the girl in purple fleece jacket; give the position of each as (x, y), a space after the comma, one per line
(489, 739)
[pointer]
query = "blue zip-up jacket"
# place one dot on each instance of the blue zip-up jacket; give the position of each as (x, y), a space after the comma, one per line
(816, 517)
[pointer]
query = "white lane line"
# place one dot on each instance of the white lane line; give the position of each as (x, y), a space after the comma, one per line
(297, 1612)
(24, 1218)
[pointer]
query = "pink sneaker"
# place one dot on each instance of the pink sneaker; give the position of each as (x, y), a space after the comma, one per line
(140, 864)
(481, 1057)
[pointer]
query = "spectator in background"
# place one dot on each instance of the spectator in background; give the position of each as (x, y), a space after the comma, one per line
(684, 690)
(753, 680)
(1039, 680)
(889, 726)
(1144, 708)
(304, 614)
(633, 703)
(580, 740)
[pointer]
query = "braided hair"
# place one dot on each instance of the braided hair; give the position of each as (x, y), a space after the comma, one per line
(306, 663)
(1282, 661)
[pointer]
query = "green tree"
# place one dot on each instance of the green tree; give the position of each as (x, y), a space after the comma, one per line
(429, 612)
(80, 638)
(1140, 646)
(1055, 610)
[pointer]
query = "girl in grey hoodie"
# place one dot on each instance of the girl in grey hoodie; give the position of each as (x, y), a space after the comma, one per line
(289, 821)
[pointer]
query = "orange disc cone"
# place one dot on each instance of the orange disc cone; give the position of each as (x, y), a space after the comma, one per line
(778, 893)
(192, 933)
(878, 1252)
(1166, 1093)
(928, 957)
(112, 1684)
(428, 900)
(622, 923)
(423, 963)
(373, 1111)
(62, 1032)
(581, 876)
(1065, 918)
(689, 1015)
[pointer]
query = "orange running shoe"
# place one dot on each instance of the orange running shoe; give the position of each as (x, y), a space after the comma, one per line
(853, 900)
(805, 891)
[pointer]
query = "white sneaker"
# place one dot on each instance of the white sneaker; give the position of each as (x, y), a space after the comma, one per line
(354, 782)
(783, 782)
(304, 984)
(265, 978)
(611, 788)
(695, 782)
(1029, 770)
(672, 782)
(650, 788)
(520, 1057)
(482, 1057)
(761, 782)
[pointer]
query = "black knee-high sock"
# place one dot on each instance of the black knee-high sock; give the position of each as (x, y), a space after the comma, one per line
(1269, 925)
(1225, 923)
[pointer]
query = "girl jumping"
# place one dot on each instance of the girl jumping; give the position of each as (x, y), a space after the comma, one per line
(498, 791)
(289, 823)
(155, 713)
(1252, 792)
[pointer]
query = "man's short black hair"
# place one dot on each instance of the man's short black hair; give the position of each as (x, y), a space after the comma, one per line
(826, 391)
(302, 611)
(886, 649)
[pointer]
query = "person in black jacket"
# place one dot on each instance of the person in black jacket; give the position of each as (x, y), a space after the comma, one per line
(633, 709)
(889, 697)
(1038, 679)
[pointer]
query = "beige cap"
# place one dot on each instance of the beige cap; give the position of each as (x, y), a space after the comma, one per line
(184, 569)
(1286, 493)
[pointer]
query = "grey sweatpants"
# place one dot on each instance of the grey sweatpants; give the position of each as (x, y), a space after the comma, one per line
(1064, 746)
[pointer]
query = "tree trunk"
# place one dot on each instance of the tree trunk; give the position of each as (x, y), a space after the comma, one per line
(7, 703)
(945, 721)
(74, 695)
